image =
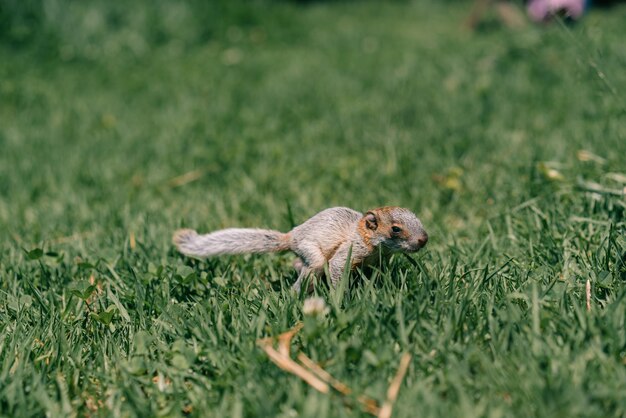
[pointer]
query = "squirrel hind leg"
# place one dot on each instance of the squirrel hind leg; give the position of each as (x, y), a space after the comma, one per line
(298, 264)
(304, 274)
(309, 263)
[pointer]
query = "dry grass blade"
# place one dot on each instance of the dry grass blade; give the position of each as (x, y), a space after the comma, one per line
(315, 368)
(281, 358)
(369, 404)
(593, 187)
(311, 373)
(284, 339)
(291, 366)
(186, 178)
(588, 294)
(394, 387)
(73, 237)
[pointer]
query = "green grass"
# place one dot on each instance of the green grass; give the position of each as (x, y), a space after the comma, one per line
(289, 110)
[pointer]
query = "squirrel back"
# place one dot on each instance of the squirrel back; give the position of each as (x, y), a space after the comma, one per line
(230, 241)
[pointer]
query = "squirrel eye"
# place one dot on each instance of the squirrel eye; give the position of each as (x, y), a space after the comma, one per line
(396, 229)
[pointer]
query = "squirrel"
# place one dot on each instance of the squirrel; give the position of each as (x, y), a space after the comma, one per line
(329, 237)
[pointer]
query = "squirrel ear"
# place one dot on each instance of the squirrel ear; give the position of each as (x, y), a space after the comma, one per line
(370, 221)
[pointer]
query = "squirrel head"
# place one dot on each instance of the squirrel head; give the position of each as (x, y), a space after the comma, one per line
(393, 228)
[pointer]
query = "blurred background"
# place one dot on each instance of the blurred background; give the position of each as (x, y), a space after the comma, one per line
(263, 112)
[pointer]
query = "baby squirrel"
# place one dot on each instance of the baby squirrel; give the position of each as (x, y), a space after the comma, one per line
(328, 237)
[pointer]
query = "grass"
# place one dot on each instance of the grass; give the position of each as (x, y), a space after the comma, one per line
(510, 146)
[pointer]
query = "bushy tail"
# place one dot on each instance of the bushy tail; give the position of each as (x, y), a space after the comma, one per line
(230, 241)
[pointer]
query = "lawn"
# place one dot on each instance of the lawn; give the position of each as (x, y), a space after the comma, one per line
(119, 125)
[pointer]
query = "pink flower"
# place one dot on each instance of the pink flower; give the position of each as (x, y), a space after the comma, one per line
(542, 10)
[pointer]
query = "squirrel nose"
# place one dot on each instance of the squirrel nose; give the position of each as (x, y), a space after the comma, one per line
(423, 239)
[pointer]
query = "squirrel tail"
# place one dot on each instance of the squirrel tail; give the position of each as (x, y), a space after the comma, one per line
(230, 241)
